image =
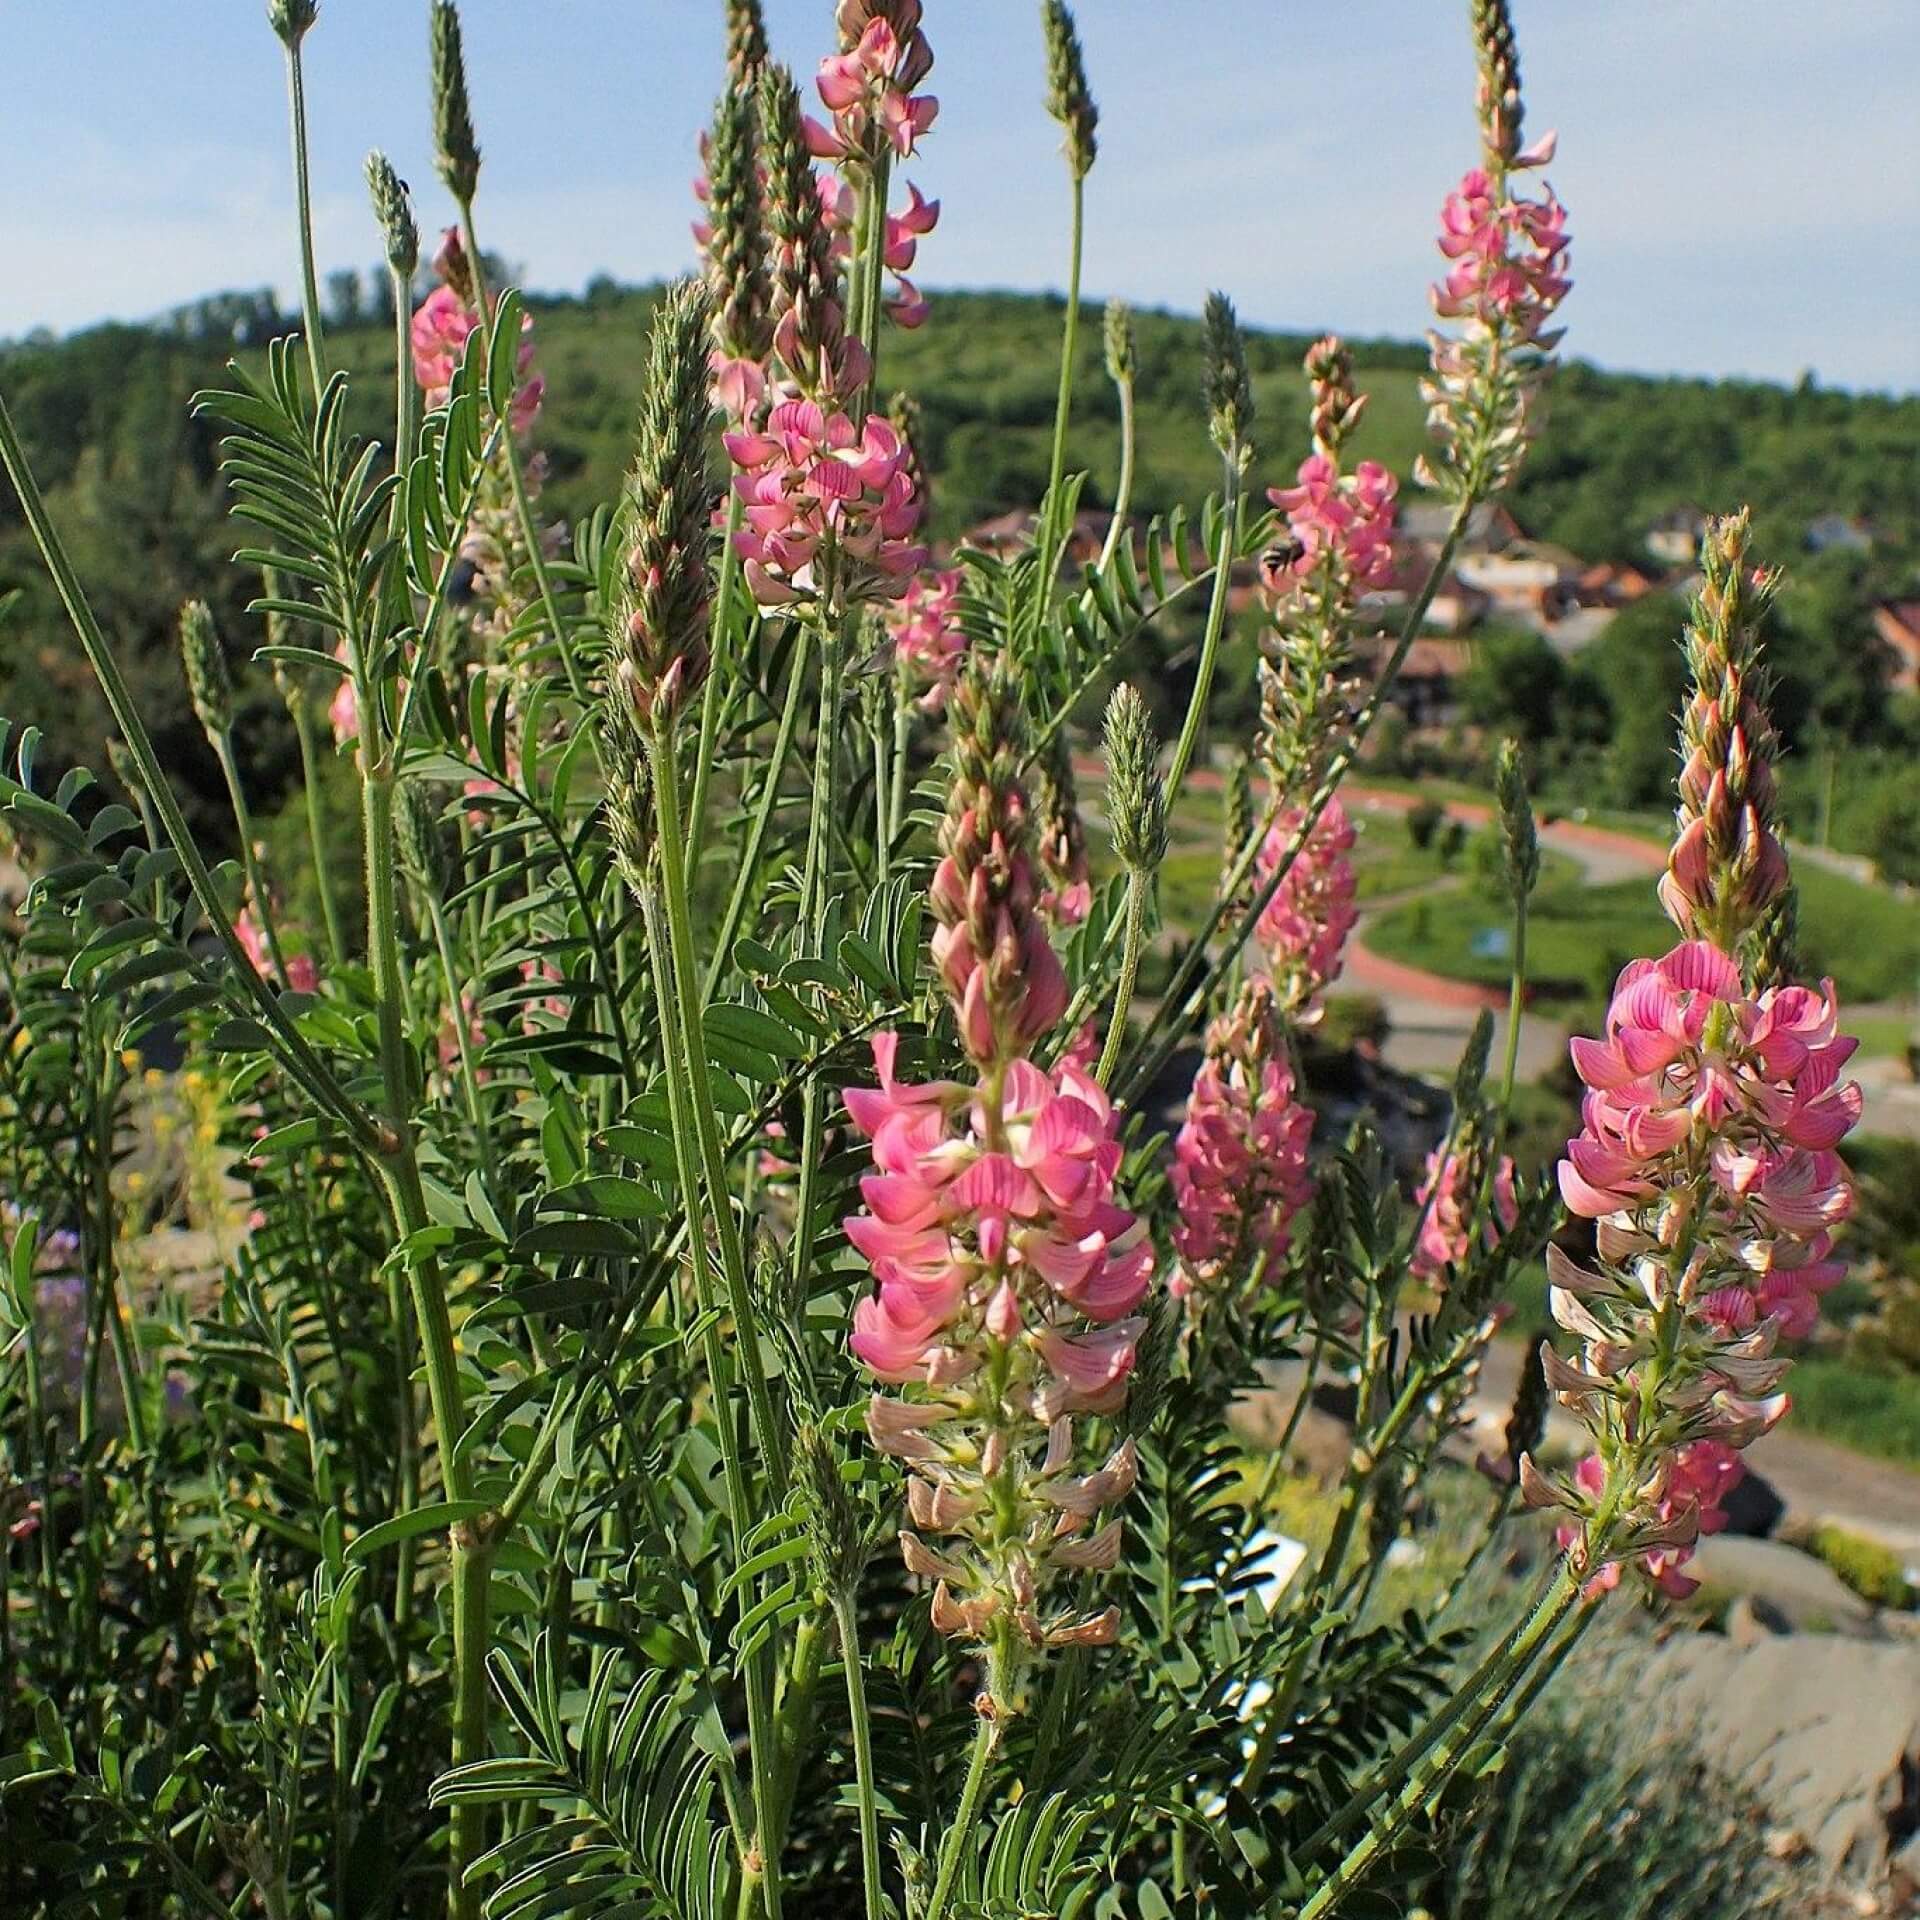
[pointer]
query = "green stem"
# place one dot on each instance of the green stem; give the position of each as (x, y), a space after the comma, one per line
(1194, 975)
(1123, 492)
(249, 859)
(720, 628)
(296, 1055)
(680, 1099)
(961, 1836)
(1063, 405)
(309, 284)
(1138, 882)
(472, 1541)
(706, 1130)
(516, 476)
(1433, 1768)
(762, 818)
(463, 1040)
(406, 389)
(1210, 644)
(852, 1665)
(299, 706)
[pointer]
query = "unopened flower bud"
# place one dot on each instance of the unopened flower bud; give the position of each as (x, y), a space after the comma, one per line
(423, 846)
(1136, 794)
(630, 817)
(290, 19)
(1123, 355)
(394, 211)
(1518, 839)
(1499, 102)
(1229, 387)
(659, 635)
(1069, 99)
(746, 39)
(1471, 1074)
(456, 150)
(209, 683)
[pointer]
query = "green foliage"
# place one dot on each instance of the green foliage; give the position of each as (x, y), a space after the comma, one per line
(1875, 1572)
(1579, 1826)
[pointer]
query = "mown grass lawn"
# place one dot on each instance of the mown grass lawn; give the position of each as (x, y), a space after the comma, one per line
(1579, 937)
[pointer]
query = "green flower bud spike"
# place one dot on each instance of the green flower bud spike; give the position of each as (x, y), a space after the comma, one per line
(209, 682)
(1069, 99)
(393, 208)
(456, 150)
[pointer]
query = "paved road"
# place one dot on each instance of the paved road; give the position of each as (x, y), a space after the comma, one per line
(1430, 1016)
(1818, 1479)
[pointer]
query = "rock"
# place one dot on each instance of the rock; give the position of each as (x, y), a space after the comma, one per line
(1825, 1729)
(1753, 1618)
(1753, 1509)
(1797, 1588)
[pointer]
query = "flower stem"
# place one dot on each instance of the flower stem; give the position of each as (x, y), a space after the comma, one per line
(1123, 492)
(1137, 889)
(1210, 644)
(720, 628)
(961, 1835)
(1063, 405)
(1516, 1001)
(309, 283)
(296, 1054)
(1432, 1769)
(706, 1131)
(249, 859)
(680, 1097)
(316, 822)
(762, 817)
(855, 1671)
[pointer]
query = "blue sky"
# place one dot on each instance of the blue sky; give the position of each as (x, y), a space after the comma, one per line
(1743, 175)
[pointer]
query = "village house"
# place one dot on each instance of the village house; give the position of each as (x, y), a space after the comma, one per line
(1837, 533)
(1674, 538)
(1527, 580)
(1897, 622)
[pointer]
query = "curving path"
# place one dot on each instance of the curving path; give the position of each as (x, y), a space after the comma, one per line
(1430, 1015)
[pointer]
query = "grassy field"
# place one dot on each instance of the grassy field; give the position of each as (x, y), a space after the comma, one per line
(1579, 937)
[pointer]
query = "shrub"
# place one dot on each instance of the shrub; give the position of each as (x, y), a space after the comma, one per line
(1875, 1572)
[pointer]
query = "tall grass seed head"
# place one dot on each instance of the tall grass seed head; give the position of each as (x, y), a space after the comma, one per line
(456, 149)
(1229, 386)
(393, 208)
(1136, 794)
(1519, 841)
(209, 681)
(291, 19)
(1069, 99)
(1122, 349)
(662, 641)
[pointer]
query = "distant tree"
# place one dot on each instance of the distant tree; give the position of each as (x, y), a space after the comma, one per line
(1516, 684)
(344, 297)
(1641, 672)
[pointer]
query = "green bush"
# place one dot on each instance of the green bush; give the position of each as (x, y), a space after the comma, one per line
(1873, 1571)
(1583, 1826)
(1423, 822)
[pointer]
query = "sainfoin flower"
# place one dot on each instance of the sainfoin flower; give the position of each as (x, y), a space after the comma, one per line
(1304, 927)
(1008, 1272)
(1338, 522)
(816, 489)
(1509, 256)
(1696, 1073)
(868, 87)
(1448, 1198)
(1240, 1158)
(1693, 1495)
(928, 640)
(441, 327)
